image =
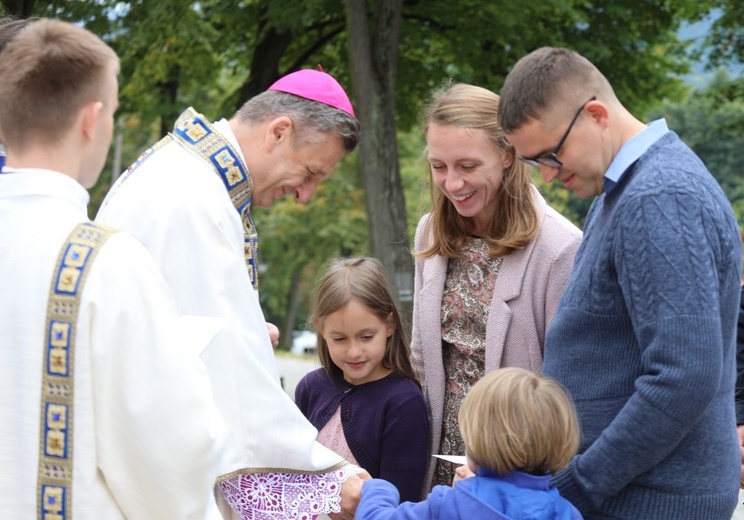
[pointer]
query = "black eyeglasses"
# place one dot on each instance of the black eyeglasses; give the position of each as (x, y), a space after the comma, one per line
(551, 159)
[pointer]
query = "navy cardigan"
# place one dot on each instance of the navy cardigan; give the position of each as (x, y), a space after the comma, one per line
(385, 424)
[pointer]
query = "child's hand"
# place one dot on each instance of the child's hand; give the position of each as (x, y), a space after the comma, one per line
(462, 472)
(351, 492)
(273, 334)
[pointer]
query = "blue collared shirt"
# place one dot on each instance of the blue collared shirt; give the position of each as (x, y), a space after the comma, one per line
(631, 151)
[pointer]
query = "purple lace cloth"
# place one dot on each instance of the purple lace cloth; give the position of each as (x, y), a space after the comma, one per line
(275, 496)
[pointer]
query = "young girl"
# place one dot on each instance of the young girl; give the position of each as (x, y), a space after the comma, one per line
(366, 401)
(518, 428)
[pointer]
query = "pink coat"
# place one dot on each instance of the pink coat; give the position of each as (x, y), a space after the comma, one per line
(525, 298)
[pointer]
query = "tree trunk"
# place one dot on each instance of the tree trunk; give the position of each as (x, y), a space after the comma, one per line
(285, 340)
(169, 96)
(264, 63)
(19, 8)
(373, 59)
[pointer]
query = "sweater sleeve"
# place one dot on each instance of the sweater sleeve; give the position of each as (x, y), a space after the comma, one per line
(301, 395)
(380, 502)
(405, 446)
(666, 256)
(417, 349)
(740, 364)
(560, 273)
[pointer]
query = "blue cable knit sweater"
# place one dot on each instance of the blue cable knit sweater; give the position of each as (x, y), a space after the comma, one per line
(644, 341)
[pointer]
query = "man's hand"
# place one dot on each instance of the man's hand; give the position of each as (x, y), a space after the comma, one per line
(351, 492)
(273, 333)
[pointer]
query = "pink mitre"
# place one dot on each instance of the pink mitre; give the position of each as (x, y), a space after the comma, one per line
(315, 85)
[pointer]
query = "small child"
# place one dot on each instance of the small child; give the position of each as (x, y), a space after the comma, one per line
(366, 401)
(518, 428)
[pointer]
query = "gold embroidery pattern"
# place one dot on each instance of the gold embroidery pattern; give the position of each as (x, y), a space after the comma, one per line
(194, 132)
(287, 471)
(54, 489)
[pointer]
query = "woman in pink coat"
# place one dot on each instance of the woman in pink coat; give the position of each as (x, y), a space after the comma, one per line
(492, 261)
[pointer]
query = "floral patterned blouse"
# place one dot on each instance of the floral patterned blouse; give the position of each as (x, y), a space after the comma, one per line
(467, 297)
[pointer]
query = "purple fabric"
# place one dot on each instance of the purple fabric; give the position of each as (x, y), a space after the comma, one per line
(315, 85)
(385, 424)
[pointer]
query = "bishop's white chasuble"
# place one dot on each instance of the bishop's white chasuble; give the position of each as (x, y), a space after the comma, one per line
(188, 200)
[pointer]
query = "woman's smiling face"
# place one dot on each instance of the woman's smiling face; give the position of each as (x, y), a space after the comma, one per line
(468, 168)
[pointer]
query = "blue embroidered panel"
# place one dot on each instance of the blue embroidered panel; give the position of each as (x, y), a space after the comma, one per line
(54, 503)
(58, 348)
(56, 449)
(192, 130)
(228, 165)
(73, 264)
(56, 432)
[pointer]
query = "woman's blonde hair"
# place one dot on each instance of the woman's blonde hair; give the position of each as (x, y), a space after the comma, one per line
(515, 221)
(514, 419)
(361, 279)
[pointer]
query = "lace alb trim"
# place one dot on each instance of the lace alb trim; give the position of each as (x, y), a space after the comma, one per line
(279, 496)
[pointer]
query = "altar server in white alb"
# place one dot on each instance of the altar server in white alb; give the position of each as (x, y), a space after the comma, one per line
(106, 410)
(189, 200)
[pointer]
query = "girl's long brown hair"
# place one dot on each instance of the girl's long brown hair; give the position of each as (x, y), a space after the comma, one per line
(361, 279)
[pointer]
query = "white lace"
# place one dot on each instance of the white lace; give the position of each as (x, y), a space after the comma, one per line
(279, 496)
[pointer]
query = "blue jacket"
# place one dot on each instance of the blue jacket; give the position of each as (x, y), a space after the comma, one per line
(517, 496)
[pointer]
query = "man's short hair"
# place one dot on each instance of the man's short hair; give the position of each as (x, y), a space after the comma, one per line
(310, 117)
(514, 419)
(48, 72)
(549, 78)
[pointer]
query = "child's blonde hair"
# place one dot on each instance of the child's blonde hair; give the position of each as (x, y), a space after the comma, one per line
(514, 419)
(361, 279)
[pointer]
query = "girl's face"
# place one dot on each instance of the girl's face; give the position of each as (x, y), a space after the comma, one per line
(356, 339)
(468, 168)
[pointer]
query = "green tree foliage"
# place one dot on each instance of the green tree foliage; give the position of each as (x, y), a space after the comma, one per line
(167, 69)
(727, 36)
(214, 54)
(633, 42)
(373, 37)
(295, 238)
(564, 201)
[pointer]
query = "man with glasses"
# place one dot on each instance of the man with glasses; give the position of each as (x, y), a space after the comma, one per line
(644, 337)
(551, 159)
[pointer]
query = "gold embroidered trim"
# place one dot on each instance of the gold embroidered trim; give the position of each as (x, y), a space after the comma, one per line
(246, 471)
(54, 487)
(194, 132)
(197, 135)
